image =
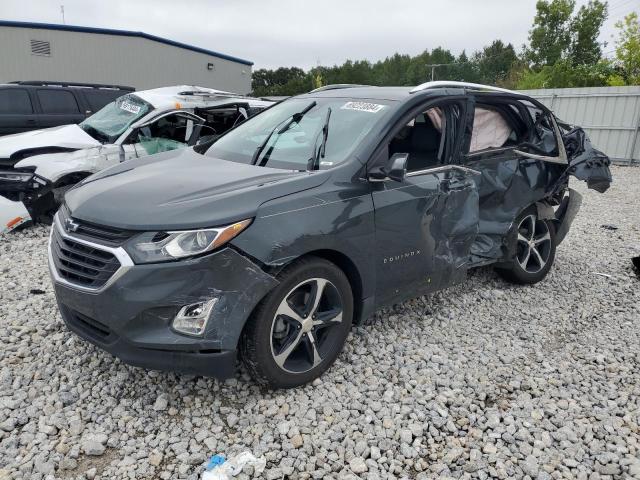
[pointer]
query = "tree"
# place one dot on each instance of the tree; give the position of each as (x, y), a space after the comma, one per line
(585, 29)
(282, 81)
(494, 62)
(628, 48)
(550, 36)
(564, 74)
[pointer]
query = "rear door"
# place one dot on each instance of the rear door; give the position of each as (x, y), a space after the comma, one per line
(515, 147)
(425, 225)
(58, 107)
(16, 111)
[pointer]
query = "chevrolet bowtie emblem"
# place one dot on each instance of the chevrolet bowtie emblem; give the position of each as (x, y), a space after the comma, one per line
(70, 225)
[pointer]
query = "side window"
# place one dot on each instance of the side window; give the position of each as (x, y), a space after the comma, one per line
(15, 101)
(428, 138)
(167, 133)
(57, 101)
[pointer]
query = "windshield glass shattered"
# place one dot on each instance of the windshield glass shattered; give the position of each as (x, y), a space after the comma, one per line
(302, 133)
(108, 124)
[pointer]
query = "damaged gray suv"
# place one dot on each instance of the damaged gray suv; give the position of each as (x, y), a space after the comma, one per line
(268, 244)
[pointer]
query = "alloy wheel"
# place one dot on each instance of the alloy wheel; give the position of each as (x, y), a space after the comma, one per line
(534, 244)
(303, 327)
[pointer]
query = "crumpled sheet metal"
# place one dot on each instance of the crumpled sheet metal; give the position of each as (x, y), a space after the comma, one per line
(587, 163)
(453, 233)
(507, 187)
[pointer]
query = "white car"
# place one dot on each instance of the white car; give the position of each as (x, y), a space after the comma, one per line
(38, 167)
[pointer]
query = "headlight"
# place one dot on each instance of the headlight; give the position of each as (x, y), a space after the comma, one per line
(11, 176)
(163, 246)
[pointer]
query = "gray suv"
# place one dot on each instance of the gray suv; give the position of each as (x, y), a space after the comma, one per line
(271, 242)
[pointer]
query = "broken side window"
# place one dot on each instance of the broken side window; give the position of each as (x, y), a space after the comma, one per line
(167, 133)
(542, 136)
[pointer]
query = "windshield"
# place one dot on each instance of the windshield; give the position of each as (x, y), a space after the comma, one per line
(108, 124)
(302, 133)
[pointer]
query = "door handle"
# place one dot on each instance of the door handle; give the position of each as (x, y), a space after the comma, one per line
(31, 121)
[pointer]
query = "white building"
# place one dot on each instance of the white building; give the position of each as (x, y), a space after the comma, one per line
(65, 53)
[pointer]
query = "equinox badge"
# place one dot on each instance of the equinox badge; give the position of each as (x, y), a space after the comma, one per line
(402, 256)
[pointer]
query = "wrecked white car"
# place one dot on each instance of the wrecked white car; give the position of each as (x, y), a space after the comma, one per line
(38, 167)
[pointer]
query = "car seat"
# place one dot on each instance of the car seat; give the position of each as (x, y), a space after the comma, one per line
(424, 144)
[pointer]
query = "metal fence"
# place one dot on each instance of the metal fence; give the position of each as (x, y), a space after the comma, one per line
(610, 115)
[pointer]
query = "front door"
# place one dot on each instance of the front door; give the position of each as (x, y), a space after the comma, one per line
(426, 224)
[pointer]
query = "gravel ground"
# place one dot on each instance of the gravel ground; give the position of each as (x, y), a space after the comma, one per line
(485, 379)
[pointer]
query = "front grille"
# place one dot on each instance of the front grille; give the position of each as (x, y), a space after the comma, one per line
(108, 235)
(81, 264)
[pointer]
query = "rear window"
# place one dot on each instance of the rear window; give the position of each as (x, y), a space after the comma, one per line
(99, 98)
(15, 101)
(57, 101)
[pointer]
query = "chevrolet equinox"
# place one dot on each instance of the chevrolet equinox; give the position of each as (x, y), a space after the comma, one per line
(270, 242)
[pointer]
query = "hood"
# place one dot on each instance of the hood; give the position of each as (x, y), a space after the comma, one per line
(70, 137)
(182, 190)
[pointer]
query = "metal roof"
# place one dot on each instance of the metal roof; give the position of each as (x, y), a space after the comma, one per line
(123, 33)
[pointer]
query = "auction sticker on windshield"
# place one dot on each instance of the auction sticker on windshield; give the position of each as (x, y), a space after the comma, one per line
(362, 107)
(129, 107)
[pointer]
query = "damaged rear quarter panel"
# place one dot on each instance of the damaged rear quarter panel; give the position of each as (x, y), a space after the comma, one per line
(506, 187)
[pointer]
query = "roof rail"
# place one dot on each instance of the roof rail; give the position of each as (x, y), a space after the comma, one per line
(200, 93)
(447, 83)
(44, 83)
(337, 86)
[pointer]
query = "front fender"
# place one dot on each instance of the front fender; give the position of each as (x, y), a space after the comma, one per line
(54, 166)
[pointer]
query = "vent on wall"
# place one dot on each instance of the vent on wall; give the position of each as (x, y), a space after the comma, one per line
(40, 47)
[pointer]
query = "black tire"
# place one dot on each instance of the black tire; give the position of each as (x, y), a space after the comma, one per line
(541, 249)
(268, 335)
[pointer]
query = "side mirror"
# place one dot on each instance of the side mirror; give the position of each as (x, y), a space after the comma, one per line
(398, 167)
(395, 169)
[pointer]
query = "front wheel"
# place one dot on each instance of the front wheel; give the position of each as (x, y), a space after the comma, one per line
(299, 329)
(535, 249)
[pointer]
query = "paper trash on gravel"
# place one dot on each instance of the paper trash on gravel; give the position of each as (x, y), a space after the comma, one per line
(220, 469)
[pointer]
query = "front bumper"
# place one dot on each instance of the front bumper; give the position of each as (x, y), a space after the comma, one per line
(130, 316)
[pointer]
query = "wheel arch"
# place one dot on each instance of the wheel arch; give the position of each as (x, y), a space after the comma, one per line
(344, 263)
(348, 267)
(71, 178)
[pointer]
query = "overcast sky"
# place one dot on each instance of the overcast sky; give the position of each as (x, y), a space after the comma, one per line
(302, 33)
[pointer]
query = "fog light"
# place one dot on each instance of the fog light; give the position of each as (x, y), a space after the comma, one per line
(192, 318)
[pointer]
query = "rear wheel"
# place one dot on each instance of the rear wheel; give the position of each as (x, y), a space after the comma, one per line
(299, 329)
(535, 249)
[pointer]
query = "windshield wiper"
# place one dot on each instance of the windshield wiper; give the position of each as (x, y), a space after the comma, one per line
(295, 118)
(314, 161)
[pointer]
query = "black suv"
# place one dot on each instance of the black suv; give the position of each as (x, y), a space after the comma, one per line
(33, 105)
(308, 217)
